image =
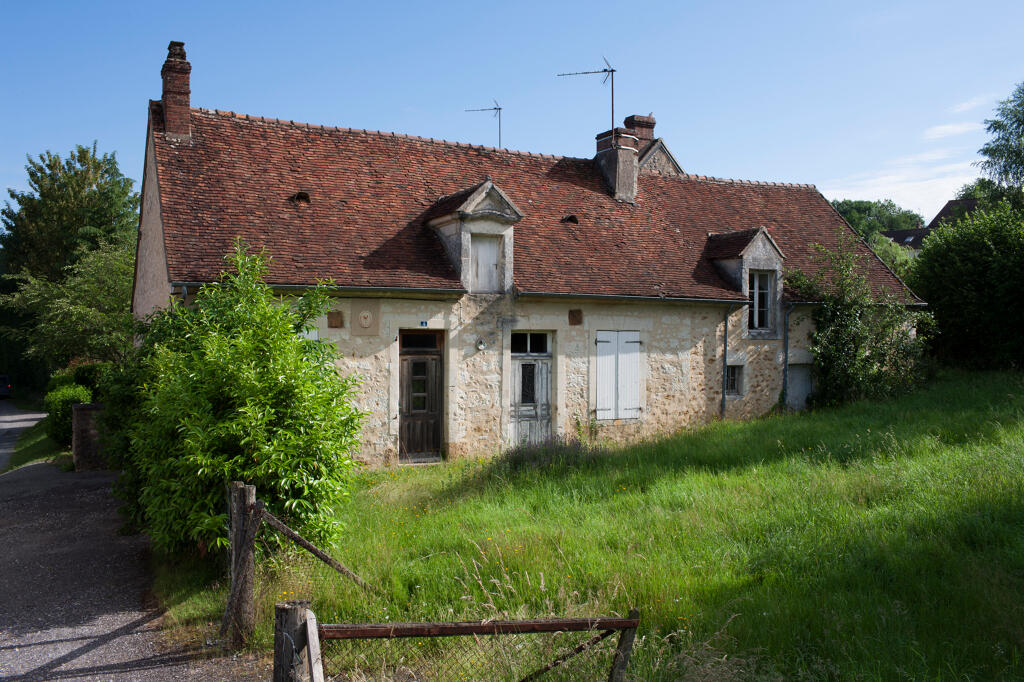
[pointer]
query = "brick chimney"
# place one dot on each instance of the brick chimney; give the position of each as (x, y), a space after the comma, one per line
(642, 127)
(617, 158)
(176, 92)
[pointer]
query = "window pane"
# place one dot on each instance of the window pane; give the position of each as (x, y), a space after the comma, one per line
(519, 343)
(528, 394)
(419, 403)
(419, 340)
(419, 386)
(538, 343)
(419, 368)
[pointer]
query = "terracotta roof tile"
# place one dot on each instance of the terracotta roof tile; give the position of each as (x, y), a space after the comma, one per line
(370, 194)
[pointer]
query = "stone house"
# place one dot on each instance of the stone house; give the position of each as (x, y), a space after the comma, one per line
(489, 296)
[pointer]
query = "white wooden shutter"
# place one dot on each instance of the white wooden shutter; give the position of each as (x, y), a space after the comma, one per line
(485, 263)
(607, 349)
(629, 375)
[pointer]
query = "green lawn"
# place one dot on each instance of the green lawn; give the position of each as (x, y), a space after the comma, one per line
(880, 540)
(34, 446)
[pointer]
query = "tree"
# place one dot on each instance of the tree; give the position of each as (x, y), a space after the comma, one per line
(864, 346)
(1004, 153)
(990, 193)
(73, 205)
(226, 389)
(892, 254)
(971, 273)
(869, 217)
(84, 315)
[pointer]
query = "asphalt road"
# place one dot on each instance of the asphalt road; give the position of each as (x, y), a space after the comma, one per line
(73, 592)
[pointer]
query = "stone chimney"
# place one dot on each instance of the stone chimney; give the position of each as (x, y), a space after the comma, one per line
(642, 127)
(176, 92)
(617, 158)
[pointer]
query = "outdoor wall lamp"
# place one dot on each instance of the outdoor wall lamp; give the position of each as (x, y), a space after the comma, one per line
(480, 345)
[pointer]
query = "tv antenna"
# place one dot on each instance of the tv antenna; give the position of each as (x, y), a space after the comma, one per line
(609, 74)
(497, 113)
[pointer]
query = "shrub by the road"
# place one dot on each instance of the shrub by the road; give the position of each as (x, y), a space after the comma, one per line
(226, 389)
(59, 403)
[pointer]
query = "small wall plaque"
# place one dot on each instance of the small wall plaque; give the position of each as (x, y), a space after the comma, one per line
(335, 319)
(575, 317)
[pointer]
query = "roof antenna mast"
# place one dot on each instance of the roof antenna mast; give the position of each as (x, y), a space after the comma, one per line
(609, 73)
(497, 113)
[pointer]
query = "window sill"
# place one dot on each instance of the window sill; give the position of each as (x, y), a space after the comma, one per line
(763, 334)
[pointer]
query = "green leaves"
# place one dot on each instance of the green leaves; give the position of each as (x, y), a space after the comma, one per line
(1004, 153)
(864, 346)
(971, 273)
(73, 205)
(229, 391)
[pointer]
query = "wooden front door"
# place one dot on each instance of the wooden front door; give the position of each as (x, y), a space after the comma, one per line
(531, 387)
(419, 420)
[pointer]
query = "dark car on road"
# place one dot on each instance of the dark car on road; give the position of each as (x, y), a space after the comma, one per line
(5, 386)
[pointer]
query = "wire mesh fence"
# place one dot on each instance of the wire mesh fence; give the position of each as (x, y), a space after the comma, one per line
(471, 651)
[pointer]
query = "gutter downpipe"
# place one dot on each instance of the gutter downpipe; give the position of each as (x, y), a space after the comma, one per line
(725, 357)
(785, 351)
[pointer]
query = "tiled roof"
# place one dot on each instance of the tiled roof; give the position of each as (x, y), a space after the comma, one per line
(954, 210)
(729, 244)
(909, 238)
(370, 194)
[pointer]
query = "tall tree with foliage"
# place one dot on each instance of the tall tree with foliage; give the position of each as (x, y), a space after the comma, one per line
(869, 217)
(990, 194)
(972, 274)
(1004, 152)
(227, 389)
(72, 206)
(85, 315)
(864, 345)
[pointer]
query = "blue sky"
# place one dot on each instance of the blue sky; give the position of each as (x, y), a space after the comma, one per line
(865, 100)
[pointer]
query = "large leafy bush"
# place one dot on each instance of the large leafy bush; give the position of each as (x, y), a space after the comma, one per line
(865, 345)
(972, 275)
(58, 404)
(227, 390)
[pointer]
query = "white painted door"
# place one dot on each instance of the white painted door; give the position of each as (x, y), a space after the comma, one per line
(801, 384)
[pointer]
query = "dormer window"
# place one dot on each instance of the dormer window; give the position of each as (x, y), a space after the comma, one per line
(762, 298)
(476, 228)
(486, 264)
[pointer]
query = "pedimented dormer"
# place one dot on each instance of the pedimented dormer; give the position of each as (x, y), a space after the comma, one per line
(476, 228)
(752, 262)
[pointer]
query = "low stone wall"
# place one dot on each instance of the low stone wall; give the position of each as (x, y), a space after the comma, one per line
(85, 441)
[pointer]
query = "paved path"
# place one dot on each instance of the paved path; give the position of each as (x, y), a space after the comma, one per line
(72, 591)
(12, 422)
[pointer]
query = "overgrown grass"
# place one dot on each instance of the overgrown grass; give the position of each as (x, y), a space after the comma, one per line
(880, 540)
(34, 446)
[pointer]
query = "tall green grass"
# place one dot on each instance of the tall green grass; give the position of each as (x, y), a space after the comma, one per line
(880, 540)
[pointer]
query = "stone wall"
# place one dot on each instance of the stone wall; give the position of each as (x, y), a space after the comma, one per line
(152, 287)
(681, 365)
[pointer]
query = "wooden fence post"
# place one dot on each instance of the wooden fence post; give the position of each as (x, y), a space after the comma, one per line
(240, 613)
(622, 652)
(291, 661)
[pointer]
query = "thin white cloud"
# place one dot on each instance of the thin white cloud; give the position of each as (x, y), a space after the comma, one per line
(920, 187)
(970, 104)
(923, 157)
(951, 130)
